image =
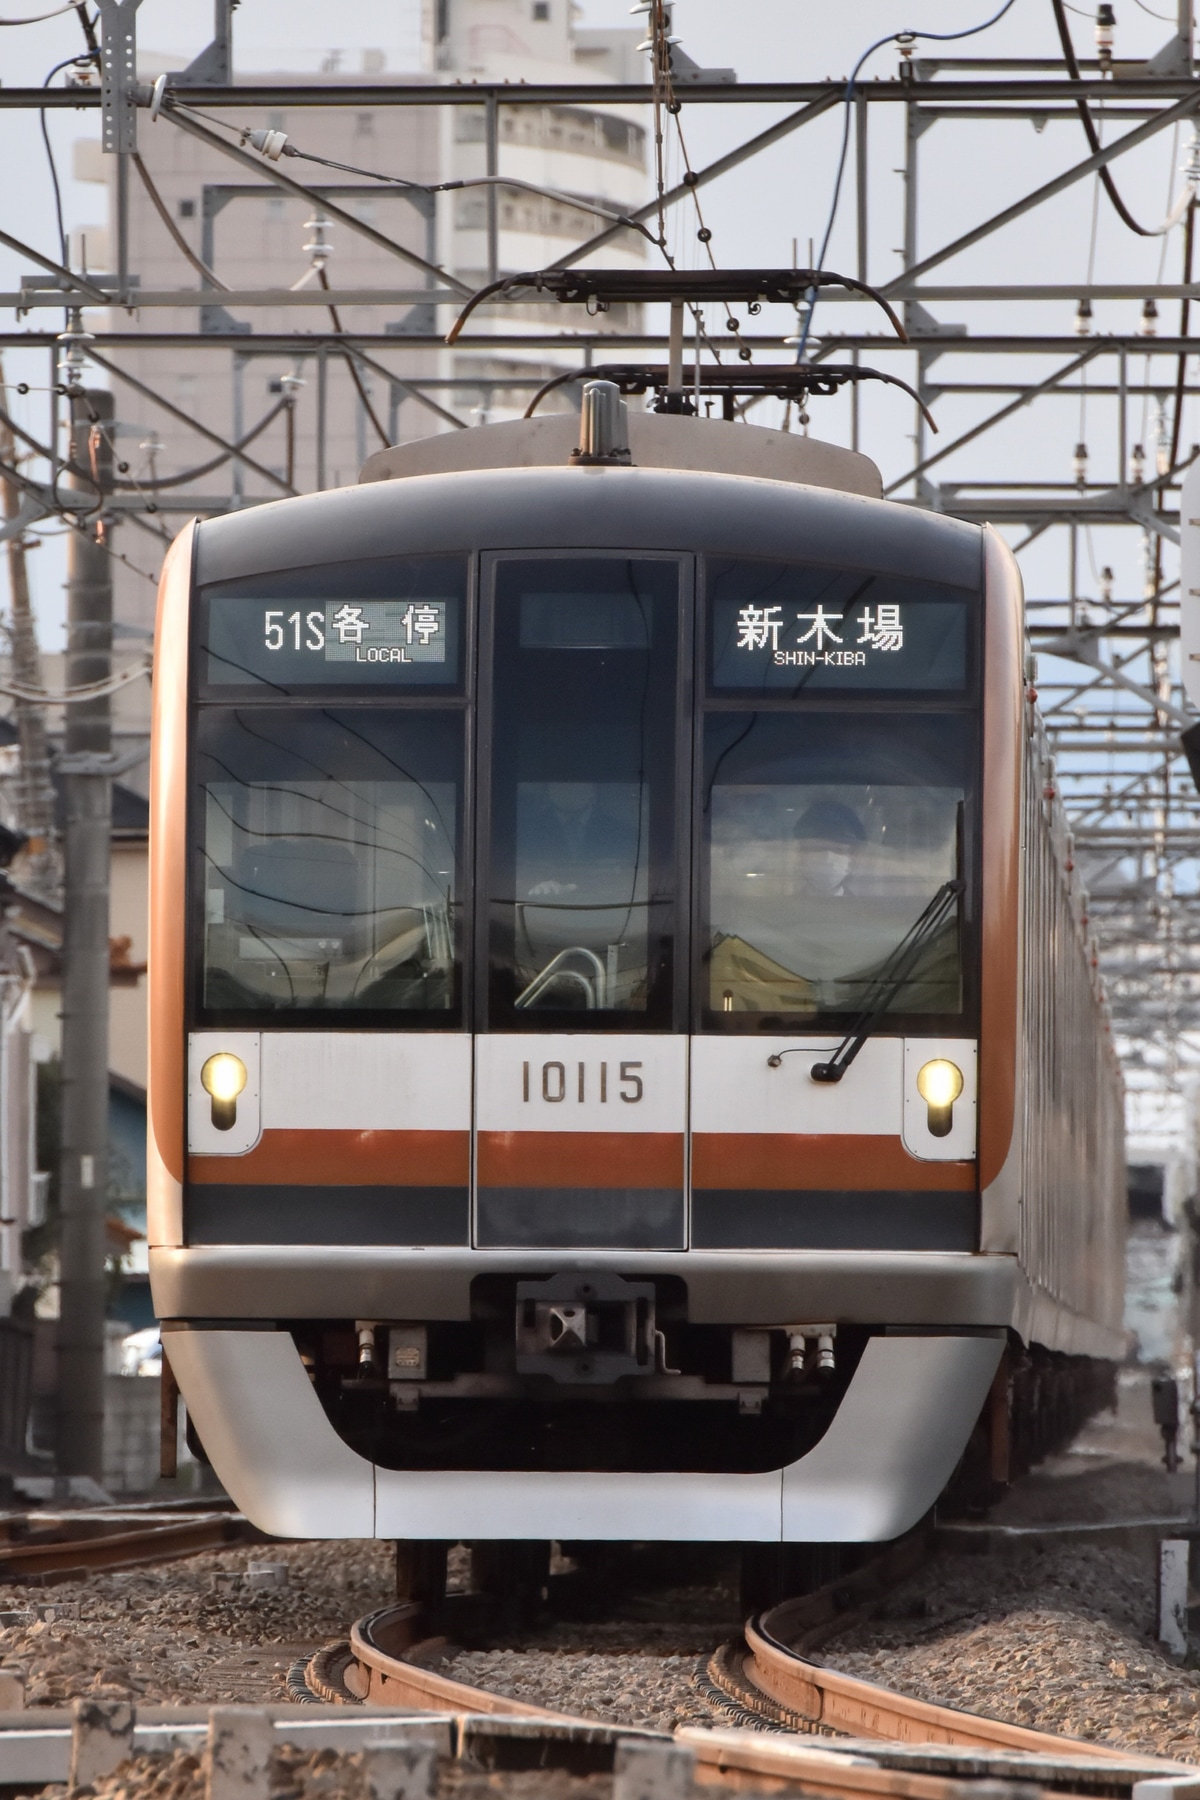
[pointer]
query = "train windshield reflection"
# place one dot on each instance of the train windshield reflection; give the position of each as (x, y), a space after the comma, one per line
(582, 818)
(826, 839)
(329, 857)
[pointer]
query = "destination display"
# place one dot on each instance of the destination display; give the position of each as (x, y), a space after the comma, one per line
(786, 630)
(407, 642)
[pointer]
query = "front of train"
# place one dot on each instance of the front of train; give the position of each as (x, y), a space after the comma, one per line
(584, 1007)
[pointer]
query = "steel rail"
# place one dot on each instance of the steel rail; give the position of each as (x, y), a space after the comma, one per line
(118, 1549)
(825, 1699)
(382, 1674)
(885, 1743)
(848, 1768)
(901, 1749)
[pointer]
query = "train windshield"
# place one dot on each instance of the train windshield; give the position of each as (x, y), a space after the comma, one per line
(582, 839)
(329, 853)
(827, 837)
(830, 825)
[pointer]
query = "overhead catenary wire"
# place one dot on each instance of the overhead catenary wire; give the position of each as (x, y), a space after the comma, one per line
(177, 238)
(79, 696)
(907, 36)
(351, 364)
(1093, 137)
(267, 145)
(84, 56)
(53, 509)
(193, 122)
(272, 144)
(151, 484)
(663, 77)
(176, 412)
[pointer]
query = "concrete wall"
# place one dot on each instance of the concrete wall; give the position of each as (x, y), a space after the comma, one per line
(131, 1413)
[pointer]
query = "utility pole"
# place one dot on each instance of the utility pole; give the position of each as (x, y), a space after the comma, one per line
(40, 866)
(86, 766)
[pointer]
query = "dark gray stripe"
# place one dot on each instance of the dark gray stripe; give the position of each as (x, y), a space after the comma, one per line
(220, 1214)
(580, 1218)
(756, 1219)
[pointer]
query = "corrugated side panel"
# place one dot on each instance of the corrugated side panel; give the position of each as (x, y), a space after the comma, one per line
(1073, 1209)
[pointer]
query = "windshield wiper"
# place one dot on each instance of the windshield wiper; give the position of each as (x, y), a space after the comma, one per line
(883, 989)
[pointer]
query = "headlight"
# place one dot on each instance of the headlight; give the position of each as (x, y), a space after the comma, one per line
(223, 1077)
(939, 1084)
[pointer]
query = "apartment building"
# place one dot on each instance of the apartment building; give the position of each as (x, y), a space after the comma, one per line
(254, 236)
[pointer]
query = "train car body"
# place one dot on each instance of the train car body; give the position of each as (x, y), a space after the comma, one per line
(524, 835)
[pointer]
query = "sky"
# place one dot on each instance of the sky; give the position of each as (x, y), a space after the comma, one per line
(759, 213)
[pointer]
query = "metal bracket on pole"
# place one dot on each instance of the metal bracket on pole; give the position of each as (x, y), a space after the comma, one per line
(1175, 57)
(118, 75)
(214, 65)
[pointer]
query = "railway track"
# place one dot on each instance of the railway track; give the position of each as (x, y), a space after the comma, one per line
(54, 1545)
(795, 1721)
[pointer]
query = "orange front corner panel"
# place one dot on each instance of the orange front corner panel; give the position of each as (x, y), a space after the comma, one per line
(168, 854)
(1003, 705)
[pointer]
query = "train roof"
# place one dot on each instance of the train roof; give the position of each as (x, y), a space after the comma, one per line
(656, 441)
(544, 504)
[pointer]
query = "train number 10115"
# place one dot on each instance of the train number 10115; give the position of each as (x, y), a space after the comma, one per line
(574, 1081)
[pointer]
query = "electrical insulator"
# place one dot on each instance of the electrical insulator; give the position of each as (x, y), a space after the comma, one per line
(1162, 440)
(270, 144)
(1079, 464)
(1137, 465)
(1106, 19)
(72, 357)
(1190, 166)
(317, 250)
(1083, 318)
(1149, 324)
(1106, 585)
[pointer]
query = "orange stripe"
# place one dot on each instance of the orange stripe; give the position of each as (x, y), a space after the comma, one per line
(1003, 706)
(168, 853)
(344, 1159)
(594, 1159)
(845, 1164)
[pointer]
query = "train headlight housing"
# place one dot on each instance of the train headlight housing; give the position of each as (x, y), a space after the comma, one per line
(223, 1077)
(939, 1084)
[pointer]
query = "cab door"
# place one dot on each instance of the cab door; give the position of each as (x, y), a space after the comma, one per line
(580, 1056)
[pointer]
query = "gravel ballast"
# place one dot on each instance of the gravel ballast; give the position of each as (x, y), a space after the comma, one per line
(1057, 1635)
(171, 1634)
(1059, 1639)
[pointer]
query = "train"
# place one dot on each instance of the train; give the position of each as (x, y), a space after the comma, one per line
(628, 1059)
